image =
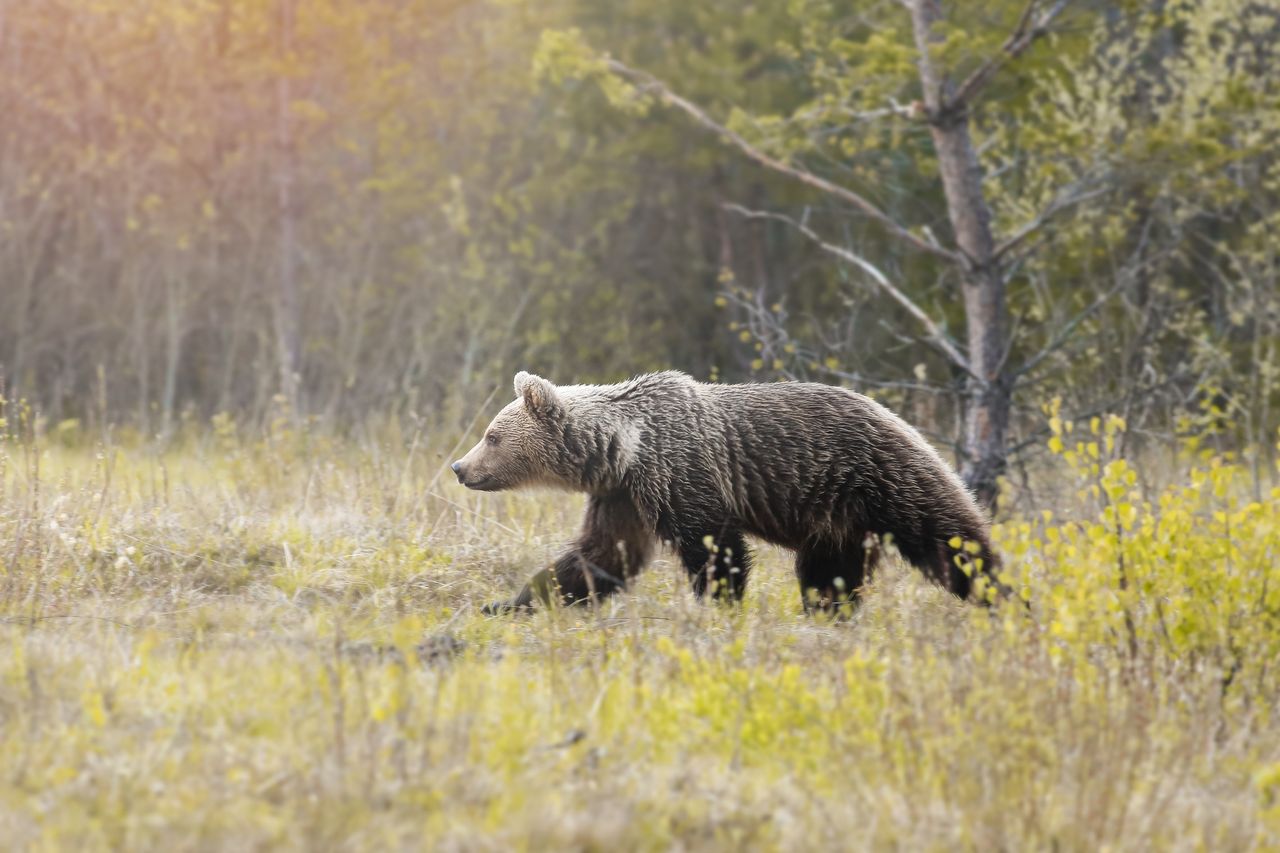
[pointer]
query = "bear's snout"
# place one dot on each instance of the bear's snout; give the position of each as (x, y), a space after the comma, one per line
(457, 469)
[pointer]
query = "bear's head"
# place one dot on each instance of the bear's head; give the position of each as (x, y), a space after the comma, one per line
(568, 438)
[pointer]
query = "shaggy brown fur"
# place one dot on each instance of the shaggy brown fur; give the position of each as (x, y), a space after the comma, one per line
(820, 470)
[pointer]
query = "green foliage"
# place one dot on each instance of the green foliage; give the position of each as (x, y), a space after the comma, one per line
(1184, 571)
(564, 56)
(1167, 119)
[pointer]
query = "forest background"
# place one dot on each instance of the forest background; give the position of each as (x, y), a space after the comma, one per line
(385, 208)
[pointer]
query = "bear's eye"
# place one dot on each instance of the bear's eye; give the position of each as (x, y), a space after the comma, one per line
(492, 438)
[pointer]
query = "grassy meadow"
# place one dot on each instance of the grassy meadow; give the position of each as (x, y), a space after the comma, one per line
(274, 641)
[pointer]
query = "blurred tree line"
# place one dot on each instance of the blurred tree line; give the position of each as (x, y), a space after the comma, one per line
(391, 205)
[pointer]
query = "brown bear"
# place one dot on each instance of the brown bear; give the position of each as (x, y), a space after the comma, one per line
(817, 469)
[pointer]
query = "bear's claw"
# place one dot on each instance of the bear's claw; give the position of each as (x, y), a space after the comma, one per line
(502, 608)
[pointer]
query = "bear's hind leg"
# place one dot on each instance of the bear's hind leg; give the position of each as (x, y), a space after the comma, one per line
(719, 563)
(957, 570)
(959, 581)
(964, 570)
(831, 576)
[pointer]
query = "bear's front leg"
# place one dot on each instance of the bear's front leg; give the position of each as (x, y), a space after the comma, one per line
(574, 579)
(539, 587)
(613, 547)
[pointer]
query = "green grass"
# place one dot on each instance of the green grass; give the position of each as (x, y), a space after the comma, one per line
(235, 646)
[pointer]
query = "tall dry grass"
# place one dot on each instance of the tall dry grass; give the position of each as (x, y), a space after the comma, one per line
(274, 641)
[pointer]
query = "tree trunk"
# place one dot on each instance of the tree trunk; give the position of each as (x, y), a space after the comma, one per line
(174, 310)
(286, 312)
(990, 387)
(141, 353)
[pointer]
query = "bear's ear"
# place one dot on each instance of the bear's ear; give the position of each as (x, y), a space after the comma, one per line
(539, 395)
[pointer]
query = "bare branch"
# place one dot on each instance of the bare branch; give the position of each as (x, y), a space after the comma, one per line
(923, 14)
(1029, 29)
(648, 83)
(933, 330)
(1068, 329)
(912, 110)
(1058, 205)
(1066, 332)
(908, 111)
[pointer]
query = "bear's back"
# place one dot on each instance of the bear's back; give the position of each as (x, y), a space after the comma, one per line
(797, 460)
